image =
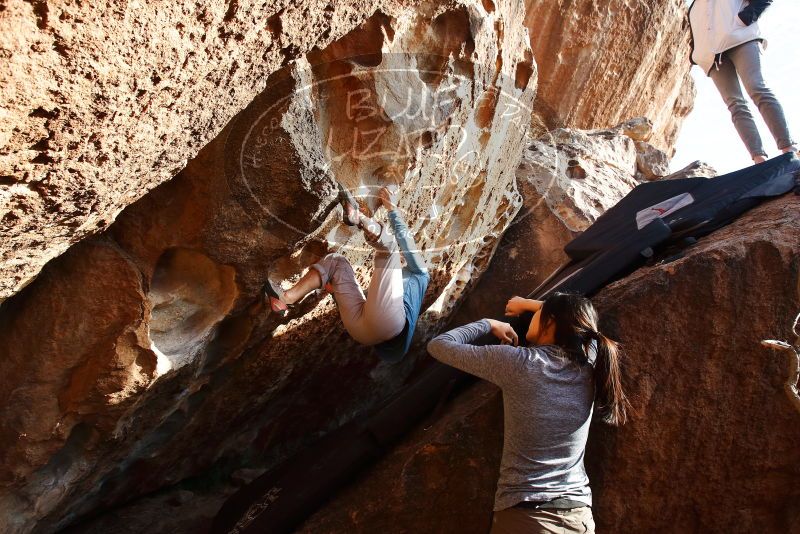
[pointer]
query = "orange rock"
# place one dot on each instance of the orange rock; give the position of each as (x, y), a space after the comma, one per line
(713, 414)
(600, 64)
(167, 362)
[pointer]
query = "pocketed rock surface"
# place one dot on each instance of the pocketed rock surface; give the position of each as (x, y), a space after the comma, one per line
(144, 355)
(567, 178)
(606, 62)
(159, 163)
(715, 410)
(103, 102)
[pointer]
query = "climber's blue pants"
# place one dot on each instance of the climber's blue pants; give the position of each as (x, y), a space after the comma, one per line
(414, 262)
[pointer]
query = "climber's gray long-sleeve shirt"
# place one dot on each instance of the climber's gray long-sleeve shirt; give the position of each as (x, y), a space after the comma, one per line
(547, 402)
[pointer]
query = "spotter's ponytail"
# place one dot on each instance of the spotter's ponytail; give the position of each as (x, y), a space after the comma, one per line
(576, 332)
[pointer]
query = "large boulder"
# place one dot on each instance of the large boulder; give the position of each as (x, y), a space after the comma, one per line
(712, 446)
(713, 410)
(601, 63)
(102, 102)
(567, 178)
(165, 160)
(144, 355)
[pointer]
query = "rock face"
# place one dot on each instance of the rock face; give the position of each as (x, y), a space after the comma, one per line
(713, 407)
(98, 113)
(611, 61)
(695, 169)
(434, 481)
(104, 102)
(714, 415)
(164, 161)
(143, 355)
(567, 179)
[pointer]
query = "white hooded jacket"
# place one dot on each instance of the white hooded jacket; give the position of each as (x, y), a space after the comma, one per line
(716, 27)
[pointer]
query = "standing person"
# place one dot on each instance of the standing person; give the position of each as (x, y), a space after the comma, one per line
(727, 44)
(387, 315)
(548, 394)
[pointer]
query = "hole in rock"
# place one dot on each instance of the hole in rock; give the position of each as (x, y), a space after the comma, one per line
(362, 46)
(275, 24)
(43, 159)
(448, 34)
(190, 293)
(41, 145)
(486, 108)
(575, 171)
(523, 74)
(40, 9)
(426, 139)
(233, 7)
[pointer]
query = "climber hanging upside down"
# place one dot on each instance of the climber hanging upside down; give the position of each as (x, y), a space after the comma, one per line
(386, 317)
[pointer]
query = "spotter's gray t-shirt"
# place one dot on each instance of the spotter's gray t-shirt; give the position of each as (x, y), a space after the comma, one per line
(547, 405)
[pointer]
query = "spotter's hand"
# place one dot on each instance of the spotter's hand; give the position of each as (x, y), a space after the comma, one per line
(504, 332)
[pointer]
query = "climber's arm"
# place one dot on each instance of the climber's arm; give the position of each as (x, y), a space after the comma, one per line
(754, 10)
(517, 306)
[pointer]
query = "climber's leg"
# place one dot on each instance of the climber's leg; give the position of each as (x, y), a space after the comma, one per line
(308, 283)
(746, 59)
(384, 308)
(727, 82)
(334, 269)
(414, 261)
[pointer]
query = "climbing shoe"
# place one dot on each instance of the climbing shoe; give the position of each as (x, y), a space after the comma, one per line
(350, 209)
(274, 294)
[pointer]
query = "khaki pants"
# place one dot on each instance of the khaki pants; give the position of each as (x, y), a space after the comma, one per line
(380, 315)
(517, 520)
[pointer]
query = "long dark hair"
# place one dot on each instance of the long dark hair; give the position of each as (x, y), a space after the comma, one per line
(576, 327)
